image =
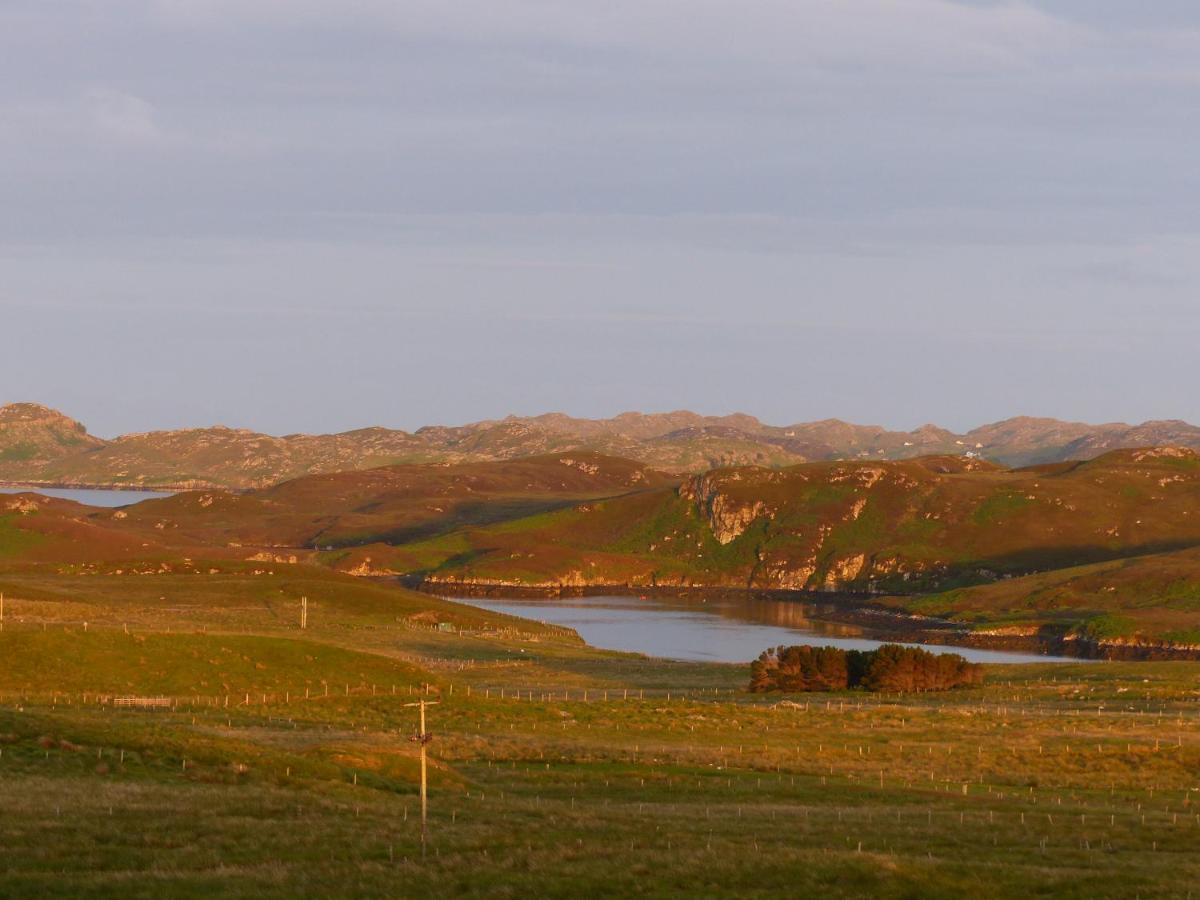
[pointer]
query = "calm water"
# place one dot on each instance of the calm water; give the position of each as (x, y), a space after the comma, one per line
(90, 496)
(715, 630)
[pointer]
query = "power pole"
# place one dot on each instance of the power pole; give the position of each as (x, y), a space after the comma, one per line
(423, 738)
(1, 611)
(303, 613)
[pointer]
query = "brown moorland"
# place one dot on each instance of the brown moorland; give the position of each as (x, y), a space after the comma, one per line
(43, 446)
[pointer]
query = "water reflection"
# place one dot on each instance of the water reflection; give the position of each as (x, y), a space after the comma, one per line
(717, 629)
(783, 613)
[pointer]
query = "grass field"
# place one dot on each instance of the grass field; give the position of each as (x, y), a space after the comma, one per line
(283, 766)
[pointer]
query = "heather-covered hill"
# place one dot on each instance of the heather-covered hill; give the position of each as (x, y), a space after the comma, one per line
(207, 457)
(912, 526)
(1143, 599)
(921, 530)
(41, 446)
(36, 529)
(32, 436)
(392, 504)
(1085, 549)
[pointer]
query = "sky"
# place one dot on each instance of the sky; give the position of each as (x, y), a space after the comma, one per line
(306, 215)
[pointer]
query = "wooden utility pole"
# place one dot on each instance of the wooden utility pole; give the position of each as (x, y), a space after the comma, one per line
(423, 738)
(1, 611)
(303, 613)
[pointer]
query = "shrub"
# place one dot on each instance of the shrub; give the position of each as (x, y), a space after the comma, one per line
(800, 668)
(891, 667)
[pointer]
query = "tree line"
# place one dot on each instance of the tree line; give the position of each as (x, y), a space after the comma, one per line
(890, 668)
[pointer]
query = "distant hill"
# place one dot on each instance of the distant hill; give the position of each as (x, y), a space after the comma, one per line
(42, 446)
(33, 436)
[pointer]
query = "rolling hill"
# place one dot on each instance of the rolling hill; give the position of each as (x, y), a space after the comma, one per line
(390, 504)
(968, 541)
(41, 446)
(1107, 548)
(873, 527)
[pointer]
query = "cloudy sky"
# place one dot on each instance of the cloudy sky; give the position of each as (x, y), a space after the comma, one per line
(315, 215)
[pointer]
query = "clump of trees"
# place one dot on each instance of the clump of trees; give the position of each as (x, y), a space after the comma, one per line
(890, 668)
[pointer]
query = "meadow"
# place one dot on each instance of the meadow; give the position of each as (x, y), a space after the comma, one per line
(283, 766)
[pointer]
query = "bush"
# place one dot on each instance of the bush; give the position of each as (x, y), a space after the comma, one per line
(888, 668)
(801, 668)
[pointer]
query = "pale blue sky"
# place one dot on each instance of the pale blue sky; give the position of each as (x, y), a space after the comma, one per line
(303, 215)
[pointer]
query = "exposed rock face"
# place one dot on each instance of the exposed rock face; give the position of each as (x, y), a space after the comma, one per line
(1165, 453)
(728, 517)
(265, 556)
(589, 468)
(365, 570)
(844, 571)
(867, 476)
(788, 577)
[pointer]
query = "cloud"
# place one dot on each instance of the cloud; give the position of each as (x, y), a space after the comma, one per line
(878, 33)
(122, 118)
(827, 173)
(94, 118)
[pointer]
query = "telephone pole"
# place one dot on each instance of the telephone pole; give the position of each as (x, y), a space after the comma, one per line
(423, 738)
(303, 613)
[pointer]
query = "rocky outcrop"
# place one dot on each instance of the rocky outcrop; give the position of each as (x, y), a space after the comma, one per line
(865, 476)
(33, 436)
(364, 569)
(786, 577)
(22, 505)
(265, 556)
(842, 572)
(1165, 453)
(727, 516)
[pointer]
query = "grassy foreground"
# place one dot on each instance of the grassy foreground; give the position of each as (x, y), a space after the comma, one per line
(283, 768)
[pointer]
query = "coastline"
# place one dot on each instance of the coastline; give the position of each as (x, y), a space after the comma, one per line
(82, 486)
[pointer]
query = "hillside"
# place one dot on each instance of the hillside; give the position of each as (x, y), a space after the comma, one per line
(1145, 600)
(41, 446)
(33, 436)
(917, 527)
(391, 504)
(965, 540)
(872, 527)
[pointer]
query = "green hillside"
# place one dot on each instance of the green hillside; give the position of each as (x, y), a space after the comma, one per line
(920, 527)
(922, 531)
(1154, 597)
(858, 526)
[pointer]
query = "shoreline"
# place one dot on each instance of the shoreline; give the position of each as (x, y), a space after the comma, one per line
(880, 622)
(35, 486)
